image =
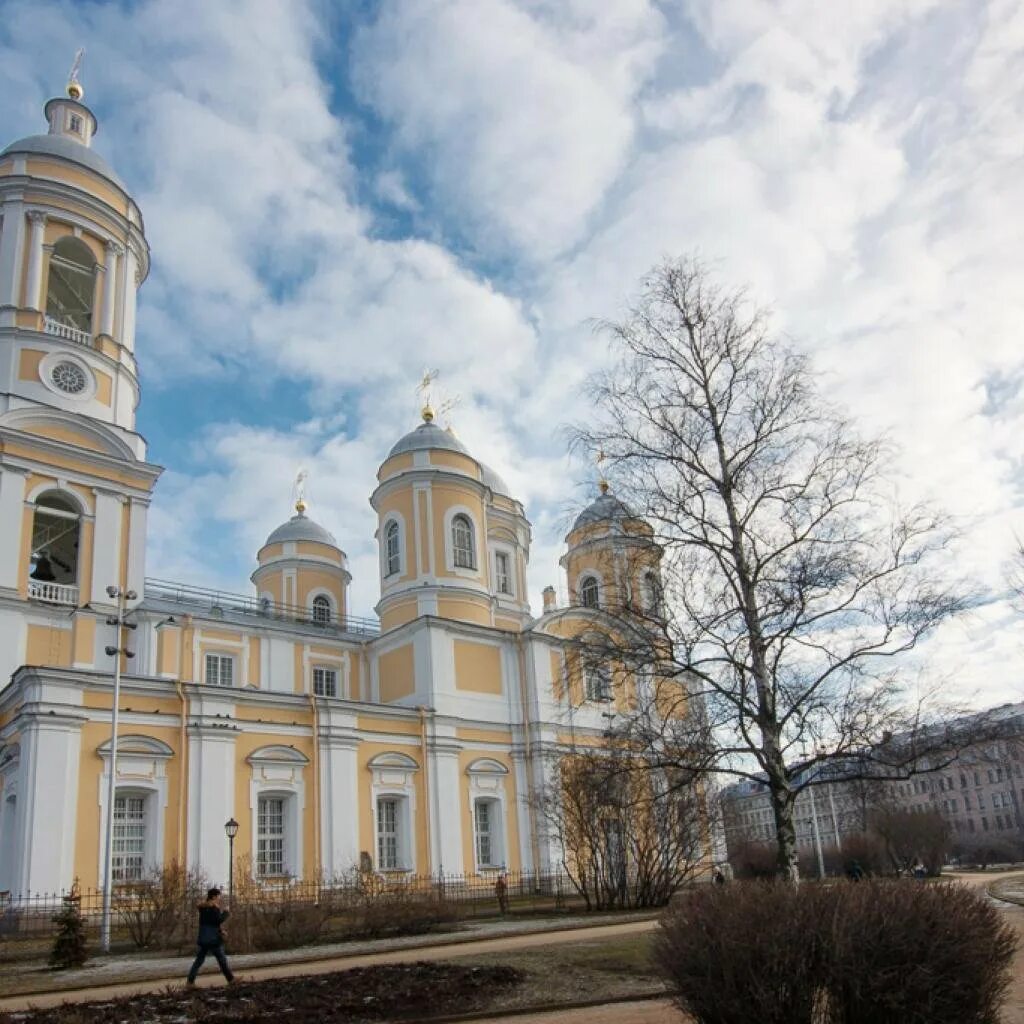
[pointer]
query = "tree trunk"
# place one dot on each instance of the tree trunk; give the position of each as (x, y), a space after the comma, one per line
(782, 807)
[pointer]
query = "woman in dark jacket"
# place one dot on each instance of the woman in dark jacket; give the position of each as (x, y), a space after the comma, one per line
(211, 938)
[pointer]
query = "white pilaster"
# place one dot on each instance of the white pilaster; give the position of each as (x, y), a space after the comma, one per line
(137, 547)
(12, 246)
(339, 805)
(106, 546)
(446, 810)
(211, 787)
(131, 285)
(114, 251)
(34, 283)
(12, 507)
(48, 803)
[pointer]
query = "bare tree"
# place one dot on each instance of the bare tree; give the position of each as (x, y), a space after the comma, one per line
(910, 835)
(627, 837)
(791, 578)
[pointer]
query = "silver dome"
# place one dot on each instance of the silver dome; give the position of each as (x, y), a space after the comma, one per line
(606, 507)
(428, 435)
(494, 481)
(66, 149)
(301, 528)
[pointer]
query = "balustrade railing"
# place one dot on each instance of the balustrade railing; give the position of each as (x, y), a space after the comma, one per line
(66, 331)
(53, 593)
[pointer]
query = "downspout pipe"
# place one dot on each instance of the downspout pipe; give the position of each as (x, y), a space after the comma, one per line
(422, 709)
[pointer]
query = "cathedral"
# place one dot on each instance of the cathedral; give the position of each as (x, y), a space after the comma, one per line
(410, 744)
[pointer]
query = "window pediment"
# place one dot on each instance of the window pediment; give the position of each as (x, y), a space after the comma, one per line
(277, 754)
(486, 766)
(147, 746)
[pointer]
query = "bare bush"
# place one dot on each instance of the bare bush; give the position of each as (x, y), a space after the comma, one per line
(158, 910)
(874, 952)
(911, 835)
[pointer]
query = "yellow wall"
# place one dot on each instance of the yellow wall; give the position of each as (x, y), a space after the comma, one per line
(398, 614)
(308, 580)
(511, 821)
(84, 642)
(254, 661)
(48, 645)
(478, 667)
(444, 497)
(397, 673)
(367, 812)
(28, 363)
(168, 650)
(465, 609)
(453, 460)
(401, 502)
(39, 167)
(396, 464)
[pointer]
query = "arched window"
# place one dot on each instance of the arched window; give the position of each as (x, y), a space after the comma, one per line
(597, 681)
(322, 610)
(651, 589)
(69, 293)
(462, 542)
(392, 549)
(590, 592)
(53, 574)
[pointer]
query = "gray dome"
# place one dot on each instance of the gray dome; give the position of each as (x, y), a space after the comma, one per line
(67, 149)
(428, 435)
(301, 528)
(494, 481)
(606, 507)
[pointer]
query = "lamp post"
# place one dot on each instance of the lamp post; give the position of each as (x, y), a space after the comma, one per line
(122, 597)
(231, 830)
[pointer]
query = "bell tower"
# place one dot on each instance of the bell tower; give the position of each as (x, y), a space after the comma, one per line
(74, 482)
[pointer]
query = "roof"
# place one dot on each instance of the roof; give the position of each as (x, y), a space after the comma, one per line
(300, 527)
(428, 435)
(67, 149)
(606, 507)
(494, 481)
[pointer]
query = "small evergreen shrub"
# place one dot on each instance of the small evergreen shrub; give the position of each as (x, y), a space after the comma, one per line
(869, 952)
(69, 949)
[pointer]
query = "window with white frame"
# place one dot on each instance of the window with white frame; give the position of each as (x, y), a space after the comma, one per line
(325, 681)
(389, 823)
(322, 609)
(487, 833)
(127, 861)
(270, 836)
(590, 592)
(463, 548)
(220, 670)
(76, 124)
(392, 549)
(651, 593)
(503, 572)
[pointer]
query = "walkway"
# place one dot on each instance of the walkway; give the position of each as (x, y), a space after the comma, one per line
(447, 951)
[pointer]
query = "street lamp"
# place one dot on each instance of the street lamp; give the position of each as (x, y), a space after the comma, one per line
(231, 830)
(115, 651)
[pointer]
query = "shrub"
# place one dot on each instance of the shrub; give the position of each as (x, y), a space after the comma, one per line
(872, 952)
(906, 953)
(743, 952)
(159, 910)
(69, 946)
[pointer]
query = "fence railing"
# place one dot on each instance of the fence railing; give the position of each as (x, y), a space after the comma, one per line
(53, 593)
(66, 331)
(30, 915)
(221, 604)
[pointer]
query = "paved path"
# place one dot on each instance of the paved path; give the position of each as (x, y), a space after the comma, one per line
(292, 970)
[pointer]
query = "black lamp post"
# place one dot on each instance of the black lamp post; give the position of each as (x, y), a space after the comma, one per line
(231, 829)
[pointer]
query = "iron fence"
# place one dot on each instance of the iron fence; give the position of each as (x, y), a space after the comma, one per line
(32, 915)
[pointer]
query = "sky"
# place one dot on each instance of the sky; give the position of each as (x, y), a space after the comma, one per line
(340, 194)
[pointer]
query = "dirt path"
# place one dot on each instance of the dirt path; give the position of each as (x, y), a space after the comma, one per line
(646, 1011)
(446, 952)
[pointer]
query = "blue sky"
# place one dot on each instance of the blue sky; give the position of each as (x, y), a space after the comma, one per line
(338, 194)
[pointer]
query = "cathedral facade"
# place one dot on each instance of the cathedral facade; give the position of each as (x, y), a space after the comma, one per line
(414, 743)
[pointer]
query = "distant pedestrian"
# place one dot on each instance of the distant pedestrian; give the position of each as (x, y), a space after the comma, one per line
(919, 870)
(854, 872)
(718, 877)
(211, 936)
(501, 892)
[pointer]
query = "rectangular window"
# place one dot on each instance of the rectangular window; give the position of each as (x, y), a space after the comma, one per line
(970, 824)
(76, 124)
(484, 850)
(129, 852)
(325, 681)
(503, 573)
(270, 837)
(387, 835)
(220, 670)
(984, 824)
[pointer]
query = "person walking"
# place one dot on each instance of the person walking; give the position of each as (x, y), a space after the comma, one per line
(211, 936)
